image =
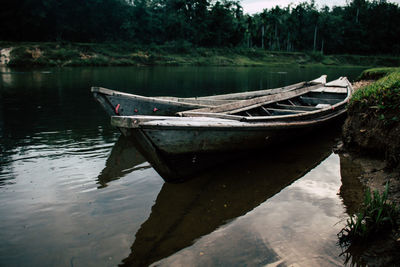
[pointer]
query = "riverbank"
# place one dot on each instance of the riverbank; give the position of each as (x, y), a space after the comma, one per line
(371, 137)
(372, 128)
(174, 54)
(371, 173)
(373, 124)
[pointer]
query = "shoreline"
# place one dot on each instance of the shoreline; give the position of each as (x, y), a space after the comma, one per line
(371, 173)
(370, 146)
(376, 169)
(126, 54)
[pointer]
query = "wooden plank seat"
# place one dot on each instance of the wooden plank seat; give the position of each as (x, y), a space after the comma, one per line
(296, 107)
(279, 111)
(316, 100)
(271, 111)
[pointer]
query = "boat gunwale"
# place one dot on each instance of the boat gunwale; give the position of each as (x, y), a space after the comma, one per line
(220, 125)
(224, 121)
(109, 92)
(222, 97)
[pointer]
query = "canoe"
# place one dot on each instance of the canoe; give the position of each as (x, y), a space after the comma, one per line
(124, 104)
(237, 126)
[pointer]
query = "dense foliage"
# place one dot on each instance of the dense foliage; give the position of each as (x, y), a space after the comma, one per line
(361, 27)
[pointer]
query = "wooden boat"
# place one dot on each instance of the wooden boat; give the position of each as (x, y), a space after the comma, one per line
(124, 104)
(237, 126)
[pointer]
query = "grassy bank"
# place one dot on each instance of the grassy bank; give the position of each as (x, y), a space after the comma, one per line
(373, 125)
(372, 131)
(377, 73)
(176, 54)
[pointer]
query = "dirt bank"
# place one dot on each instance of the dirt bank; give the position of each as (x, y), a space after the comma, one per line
(370, 154)
(359, 172)
(374, 144)
(373, 173)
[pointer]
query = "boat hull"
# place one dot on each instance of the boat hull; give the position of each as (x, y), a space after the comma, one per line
(216, 135)
(177, 154)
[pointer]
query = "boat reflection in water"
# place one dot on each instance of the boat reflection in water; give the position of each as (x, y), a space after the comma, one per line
(124, 158)
(186, 211)
(352, 190)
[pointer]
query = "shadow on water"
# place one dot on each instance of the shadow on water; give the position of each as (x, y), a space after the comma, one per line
(351, 190)
(187, 211)
(124, 158)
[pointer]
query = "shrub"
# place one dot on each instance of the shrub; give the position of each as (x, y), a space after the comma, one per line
(316, 56)
(27, 56)
(62, 54)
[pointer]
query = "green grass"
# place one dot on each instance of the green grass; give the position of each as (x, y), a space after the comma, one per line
(376, 217)
(377, 73)
(383, 96)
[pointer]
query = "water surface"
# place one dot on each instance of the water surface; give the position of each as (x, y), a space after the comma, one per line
(73, 193)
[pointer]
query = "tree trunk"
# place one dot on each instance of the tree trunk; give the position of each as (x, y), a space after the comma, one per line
(262, 36)
(270, 42)
(322, 47)
(358, 12)
(276, 37)
(315, 37)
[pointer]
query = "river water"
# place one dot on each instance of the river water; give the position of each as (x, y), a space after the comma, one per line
(75, 193)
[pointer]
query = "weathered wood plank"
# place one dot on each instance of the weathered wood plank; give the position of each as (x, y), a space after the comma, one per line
(316, 100)
(244, 105)
(297, 107)
(261, 101)
(321, 80)
(266, 110)
(340, 90)
(276, 111)
(251, 94)
(341, 82)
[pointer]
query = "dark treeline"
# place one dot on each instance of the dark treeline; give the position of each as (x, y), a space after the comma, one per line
(361, 27)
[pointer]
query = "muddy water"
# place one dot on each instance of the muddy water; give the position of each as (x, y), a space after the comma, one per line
(73, 193)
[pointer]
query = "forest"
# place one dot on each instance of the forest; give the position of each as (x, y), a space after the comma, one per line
(361, 27)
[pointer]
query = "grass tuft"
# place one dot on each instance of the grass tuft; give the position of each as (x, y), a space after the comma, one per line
(376, 217)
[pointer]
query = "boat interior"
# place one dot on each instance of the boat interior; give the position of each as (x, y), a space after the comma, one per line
(308, 102)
